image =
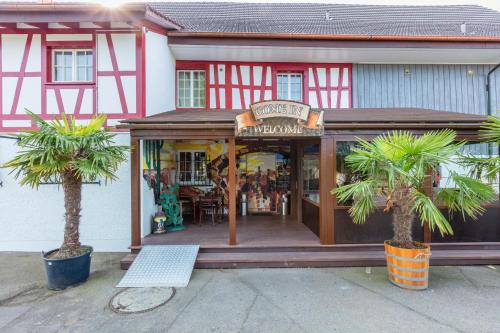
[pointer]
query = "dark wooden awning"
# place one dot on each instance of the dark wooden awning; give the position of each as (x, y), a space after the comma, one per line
(354, 118)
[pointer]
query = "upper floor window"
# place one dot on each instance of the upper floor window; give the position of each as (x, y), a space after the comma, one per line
(191, 89)
(290, 86)
(72, 65)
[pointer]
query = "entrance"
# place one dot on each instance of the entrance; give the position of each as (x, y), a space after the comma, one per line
(274, 176)
(264, 178)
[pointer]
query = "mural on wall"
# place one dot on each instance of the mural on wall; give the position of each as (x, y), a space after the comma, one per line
(199, 167)
(195, 164)
(264, 177)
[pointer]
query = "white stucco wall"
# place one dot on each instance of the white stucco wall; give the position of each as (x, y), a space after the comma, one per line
(32, 220)
(160, 74)
(160, 97)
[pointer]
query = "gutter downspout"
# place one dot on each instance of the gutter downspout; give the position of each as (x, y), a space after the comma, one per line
(488, 85)
(488, 102)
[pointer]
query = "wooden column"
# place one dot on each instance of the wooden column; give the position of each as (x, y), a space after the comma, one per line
(299, 185)
(293, 181)
(135, 181)
(327, 182)
(429, 192)
(231, 150)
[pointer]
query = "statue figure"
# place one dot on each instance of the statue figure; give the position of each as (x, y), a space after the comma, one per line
(172, 208)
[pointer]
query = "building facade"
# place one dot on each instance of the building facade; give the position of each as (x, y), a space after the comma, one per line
(140, 61)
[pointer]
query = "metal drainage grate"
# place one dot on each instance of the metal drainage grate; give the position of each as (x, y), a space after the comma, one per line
(140, 300)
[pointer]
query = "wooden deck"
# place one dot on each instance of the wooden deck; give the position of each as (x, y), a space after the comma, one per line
(252, 231)
(270, 241)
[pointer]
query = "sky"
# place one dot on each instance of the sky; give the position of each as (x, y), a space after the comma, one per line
(494, 4)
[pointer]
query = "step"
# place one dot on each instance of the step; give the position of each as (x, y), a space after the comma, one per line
(332, 248)
(328, 259)
(290, 259)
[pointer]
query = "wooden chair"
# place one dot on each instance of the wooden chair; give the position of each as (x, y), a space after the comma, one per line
(208, 206)
(191, 195)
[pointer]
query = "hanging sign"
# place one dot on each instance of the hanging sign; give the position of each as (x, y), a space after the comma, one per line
(280, 118)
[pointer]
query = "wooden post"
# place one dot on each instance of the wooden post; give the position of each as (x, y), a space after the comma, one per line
(429, 192)
(327, 182)
(135, 167)
(299, 185)
(294, 199)
(231, 150)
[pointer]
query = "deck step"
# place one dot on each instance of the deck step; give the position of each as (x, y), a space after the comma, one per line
(333, 248)
(329, 258)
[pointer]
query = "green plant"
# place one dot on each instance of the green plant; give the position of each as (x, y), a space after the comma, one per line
(67, 153)
(396, 166)
(486, 167)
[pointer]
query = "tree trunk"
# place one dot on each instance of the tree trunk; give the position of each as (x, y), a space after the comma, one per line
(72, 186)
(402, 219)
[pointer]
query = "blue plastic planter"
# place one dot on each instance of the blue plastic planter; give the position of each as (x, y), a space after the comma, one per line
(63, 273)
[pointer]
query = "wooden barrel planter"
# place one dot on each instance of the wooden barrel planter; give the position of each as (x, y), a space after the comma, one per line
(408, 268)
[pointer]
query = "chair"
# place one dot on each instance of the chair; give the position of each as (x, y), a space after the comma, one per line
(208, 206)
(188, 195)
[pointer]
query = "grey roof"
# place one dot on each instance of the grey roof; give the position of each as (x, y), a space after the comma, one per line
(331, 19)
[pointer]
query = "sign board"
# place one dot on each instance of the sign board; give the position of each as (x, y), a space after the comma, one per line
(279, 119)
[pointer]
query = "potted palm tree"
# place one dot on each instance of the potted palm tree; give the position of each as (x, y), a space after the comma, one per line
(395, 166)
(63, 152)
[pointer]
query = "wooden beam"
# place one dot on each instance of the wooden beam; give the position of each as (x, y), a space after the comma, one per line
(326, 184)
(135, 167)
(231, 150)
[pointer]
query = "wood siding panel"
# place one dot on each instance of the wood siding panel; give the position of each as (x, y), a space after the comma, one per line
(457, 88)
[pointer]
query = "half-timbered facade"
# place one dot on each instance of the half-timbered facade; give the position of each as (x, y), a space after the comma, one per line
(181, 73)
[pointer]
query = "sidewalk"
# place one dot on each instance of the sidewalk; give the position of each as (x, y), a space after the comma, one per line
(460, 299)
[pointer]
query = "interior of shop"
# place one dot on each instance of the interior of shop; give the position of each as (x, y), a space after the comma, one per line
(188, 179)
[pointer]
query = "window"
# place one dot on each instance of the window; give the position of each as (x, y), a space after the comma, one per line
(192, 168)
(72, 65)
(191, 89)
(477, 151)
(290, 86)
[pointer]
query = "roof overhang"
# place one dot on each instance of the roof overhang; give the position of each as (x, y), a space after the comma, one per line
(334, 119)
(135, 14)
(331, 51)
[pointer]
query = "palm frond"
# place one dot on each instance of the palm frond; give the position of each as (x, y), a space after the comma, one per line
(60, 145)
(430, 213)
(362, 193)
(467, 196)
(490, 131)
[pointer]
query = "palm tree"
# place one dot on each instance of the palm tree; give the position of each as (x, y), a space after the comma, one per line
(64, 152)
(396, 166)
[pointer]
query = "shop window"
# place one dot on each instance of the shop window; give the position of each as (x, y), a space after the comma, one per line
(192, 168)
(191, 89)
(289, 86)
(477, 151)
(72, 65)
(345, 175)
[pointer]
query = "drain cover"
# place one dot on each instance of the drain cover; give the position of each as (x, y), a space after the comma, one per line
(139, 300)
